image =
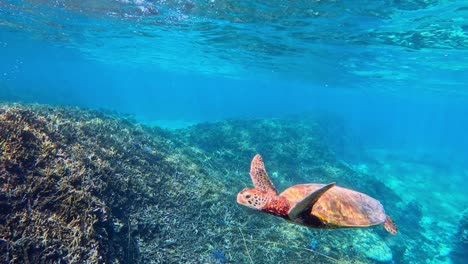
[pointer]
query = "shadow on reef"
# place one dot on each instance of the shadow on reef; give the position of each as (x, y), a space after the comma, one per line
(460, 251)
(83, 186)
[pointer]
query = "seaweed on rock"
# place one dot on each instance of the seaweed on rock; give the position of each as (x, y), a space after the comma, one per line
(51, 211)
(70, 181)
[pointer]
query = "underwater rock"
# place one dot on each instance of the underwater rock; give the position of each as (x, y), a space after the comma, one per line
(412, 214)
(459, 252)
(372, 246)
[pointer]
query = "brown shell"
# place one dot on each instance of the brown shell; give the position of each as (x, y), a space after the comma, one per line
(339, 206)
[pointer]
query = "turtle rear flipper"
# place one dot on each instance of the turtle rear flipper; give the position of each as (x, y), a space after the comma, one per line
(304, 206)
(390, 226)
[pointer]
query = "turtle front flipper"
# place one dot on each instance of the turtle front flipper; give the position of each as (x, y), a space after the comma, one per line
(260, 177)
(390, 226)
(304, 206)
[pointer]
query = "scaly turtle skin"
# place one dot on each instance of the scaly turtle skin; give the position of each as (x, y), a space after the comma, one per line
(313, 205)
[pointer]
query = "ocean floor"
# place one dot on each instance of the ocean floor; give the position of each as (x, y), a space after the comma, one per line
(85, 186)
(432, 196)
(168, 124)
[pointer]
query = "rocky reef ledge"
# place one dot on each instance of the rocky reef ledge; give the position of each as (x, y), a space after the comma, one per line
(85, 186)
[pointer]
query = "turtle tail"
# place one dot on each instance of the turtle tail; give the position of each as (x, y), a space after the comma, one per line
(390, 226)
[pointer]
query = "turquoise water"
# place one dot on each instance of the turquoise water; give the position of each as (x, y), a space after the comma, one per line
(392, 75)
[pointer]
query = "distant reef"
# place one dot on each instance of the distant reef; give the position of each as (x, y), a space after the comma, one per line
(460, 250)
(82, 186)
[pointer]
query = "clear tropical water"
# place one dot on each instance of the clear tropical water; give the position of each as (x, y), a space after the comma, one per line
(394, 74)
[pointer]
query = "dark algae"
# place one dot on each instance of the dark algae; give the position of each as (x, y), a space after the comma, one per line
(460, 250)
(82, 186)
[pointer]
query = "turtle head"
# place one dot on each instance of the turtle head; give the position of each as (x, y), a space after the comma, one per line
(253, 198)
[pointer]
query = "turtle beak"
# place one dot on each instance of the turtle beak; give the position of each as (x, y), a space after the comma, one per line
(239, 198)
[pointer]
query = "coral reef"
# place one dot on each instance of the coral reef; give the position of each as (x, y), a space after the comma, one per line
(77, 186)
(429, 204)
(372, 246)
(459, 253)
(49, 211)
(86, 186)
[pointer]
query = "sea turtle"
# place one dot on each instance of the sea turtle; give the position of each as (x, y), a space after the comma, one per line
(313, 205)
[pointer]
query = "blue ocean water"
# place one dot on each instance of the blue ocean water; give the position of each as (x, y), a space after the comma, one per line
(392, 70)
(393, 73)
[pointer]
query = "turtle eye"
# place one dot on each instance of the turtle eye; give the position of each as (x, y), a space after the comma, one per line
(247, 196)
